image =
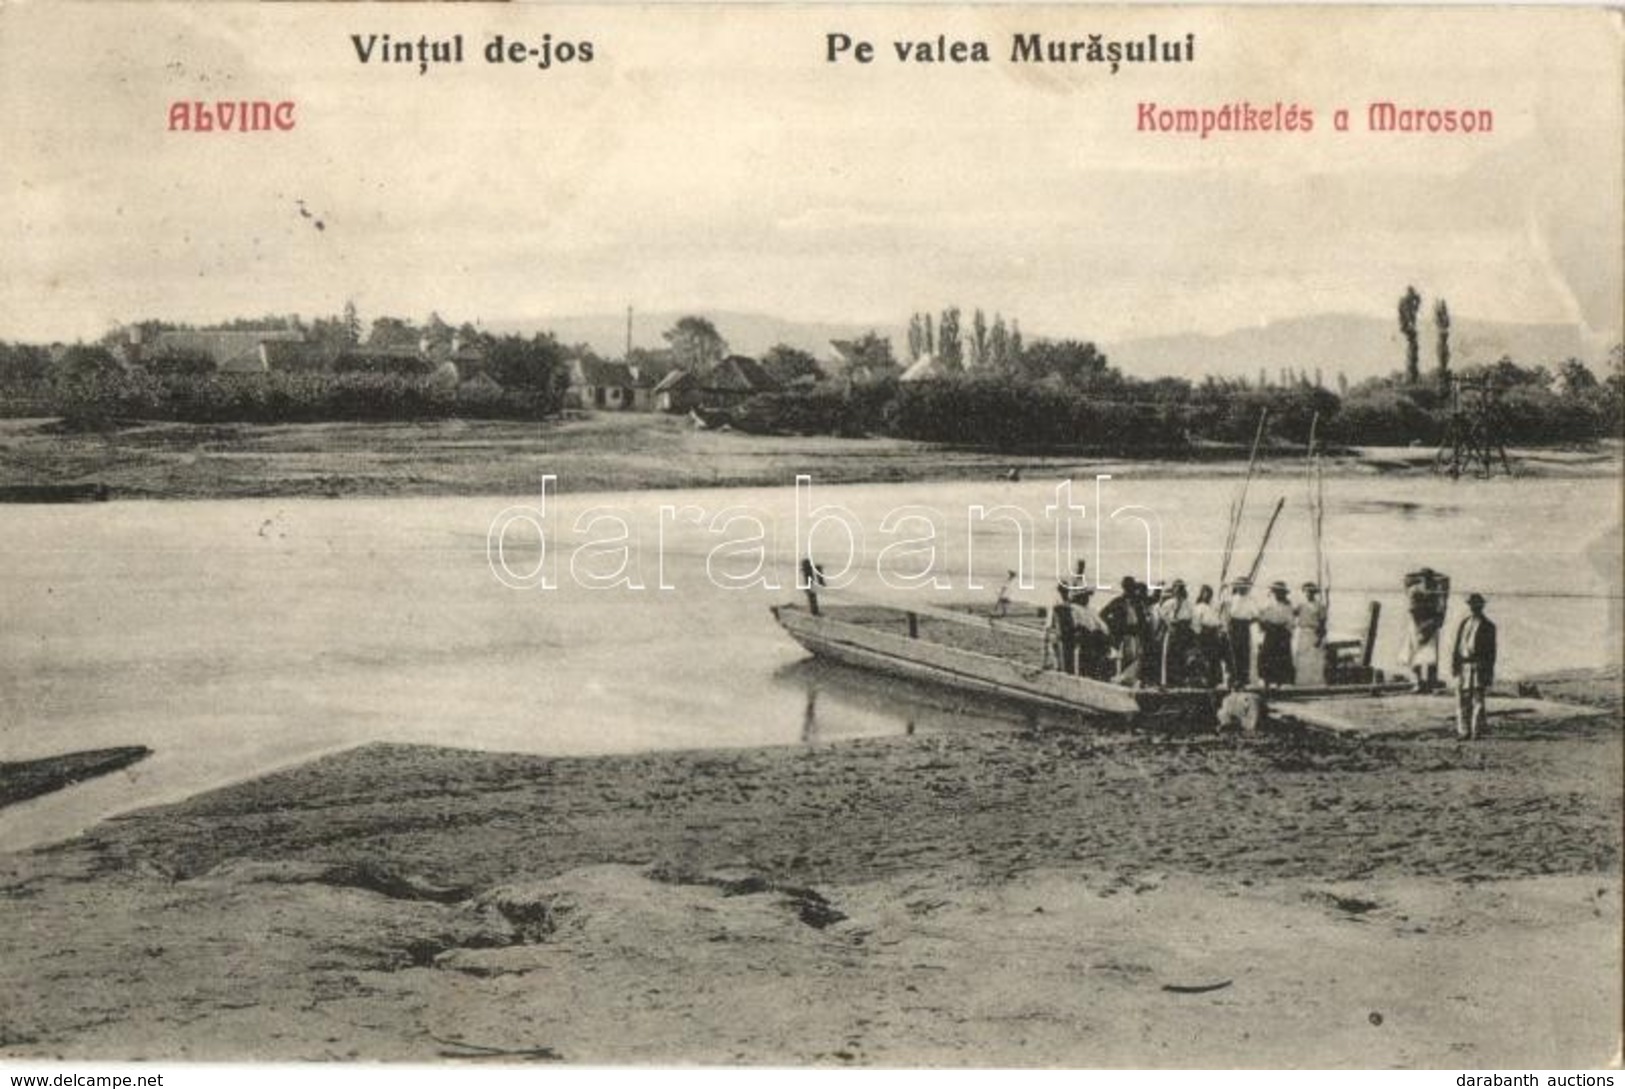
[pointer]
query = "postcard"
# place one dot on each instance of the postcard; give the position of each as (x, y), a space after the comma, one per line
(812, 535)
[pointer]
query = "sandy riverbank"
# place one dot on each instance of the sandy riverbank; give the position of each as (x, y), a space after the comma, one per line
(603, 452)
(976, 898)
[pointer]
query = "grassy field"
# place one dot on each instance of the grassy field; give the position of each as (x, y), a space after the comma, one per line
(590, 453)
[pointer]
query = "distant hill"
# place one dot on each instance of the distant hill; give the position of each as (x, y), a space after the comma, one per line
(747, 334)
(1360, 347)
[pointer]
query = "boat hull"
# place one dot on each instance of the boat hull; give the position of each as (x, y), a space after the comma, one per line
(898, 655)
(875, 649)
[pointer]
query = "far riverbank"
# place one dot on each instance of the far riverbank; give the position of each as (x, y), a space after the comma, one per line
(602, 452)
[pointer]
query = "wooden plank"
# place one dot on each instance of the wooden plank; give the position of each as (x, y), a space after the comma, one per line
(1326, 715)
(1412, 714)
(1293, 693)
(922, 608)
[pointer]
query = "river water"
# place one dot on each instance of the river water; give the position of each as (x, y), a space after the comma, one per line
(236, 636)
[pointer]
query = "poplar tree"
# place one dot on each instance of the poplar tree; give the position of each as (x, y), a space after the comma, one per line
(949, 349)
(1410, 304)
(1441, 323)
(998, 344)
(352, 323)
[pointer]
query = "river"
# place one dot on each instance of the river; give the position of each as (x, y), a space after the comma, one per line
(237, 636)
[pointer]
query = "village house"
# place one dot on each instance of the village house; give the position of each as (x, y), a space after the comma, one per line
(295, 356)
(728, 384)
(262, 351)
(924, 369)
(451, 359)
(233, 351)
(613, 387)
(677, 392)
(735, 380)
(862, 362)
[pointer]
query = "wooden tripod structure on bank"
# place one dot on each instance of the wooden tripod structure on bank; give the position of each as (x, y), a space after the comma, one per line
(1472, 441)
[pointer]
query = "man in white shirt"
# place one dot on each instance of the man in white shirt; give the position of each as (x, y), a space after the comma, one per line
(1239, 612)
(1208, 620)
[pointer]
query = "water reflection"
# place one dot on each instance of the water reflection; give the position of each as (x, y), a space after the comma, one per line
(841, 702)
(1404, 508)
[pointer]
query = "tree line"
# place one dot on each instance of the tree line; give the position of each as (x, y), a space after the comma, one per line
(1067, 396)
(989, 385)
(395, 370)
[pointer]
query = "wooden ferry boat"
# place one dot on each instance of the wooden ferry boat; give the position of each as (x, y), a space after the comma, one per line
(974, 650)
(984, 651)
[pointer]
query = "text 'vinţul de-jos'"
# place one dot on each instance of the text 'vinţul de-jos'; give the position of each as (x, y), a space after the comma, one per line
(1091, 49)
(423, 52)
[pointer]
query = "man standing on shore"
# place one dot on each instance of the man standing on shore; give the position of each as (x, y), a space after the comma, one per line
(1472, 659)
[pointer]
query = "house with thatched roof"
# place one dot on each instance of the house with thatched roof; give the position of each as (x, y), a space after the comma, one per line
(730, 382)
(233, 351)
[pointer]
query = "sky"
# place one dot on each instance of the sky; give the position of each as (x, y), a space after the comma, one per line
(712, 159)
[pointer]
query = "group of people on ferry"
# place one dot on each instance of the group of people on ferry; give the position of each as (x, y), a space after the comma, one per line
(1162, 637)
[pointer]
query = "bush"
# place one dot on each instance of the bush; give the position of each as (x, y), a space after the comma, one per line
(102, 398)
(1384, 417)
(825, 408)
(971, 410)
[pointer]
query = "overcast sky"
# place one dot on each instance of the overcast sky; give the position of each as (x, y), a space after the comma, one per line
(710, 159)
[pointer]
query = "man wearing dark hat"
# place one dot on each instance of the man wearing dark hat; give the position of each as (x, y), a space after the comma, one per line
(1472, 659)
(1126, 620)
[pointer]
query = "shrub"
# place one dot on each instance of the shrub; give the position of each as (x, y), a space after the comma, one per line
(101, 398)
